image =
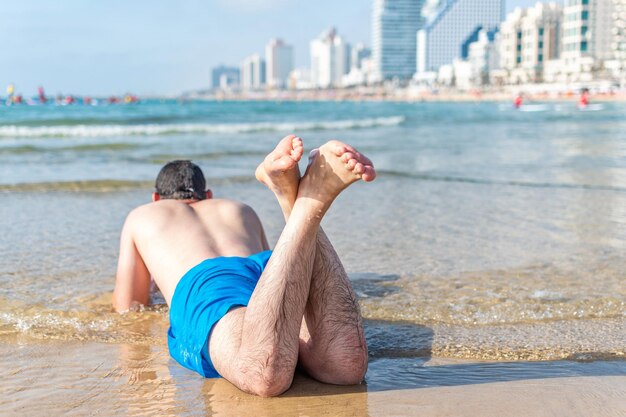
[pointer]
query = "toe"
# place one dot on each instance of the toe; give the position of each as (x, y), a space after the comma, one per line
(346, 157)
(350, 149)
(362, 158)
(351, 164)
(285, 145)
(369, 173)
(358, 168)
(297, 149)
(338, 148)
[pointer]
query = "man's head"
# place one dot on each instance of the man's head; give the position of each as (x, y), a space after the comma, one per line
(181, 180)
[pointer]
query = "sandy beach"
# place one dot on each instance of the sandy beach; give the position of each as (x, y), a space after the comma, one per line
(86, 378)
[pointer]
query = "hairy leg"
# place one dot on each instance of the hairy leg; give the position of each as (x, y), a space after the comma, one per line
(332, 344)
(256, 347)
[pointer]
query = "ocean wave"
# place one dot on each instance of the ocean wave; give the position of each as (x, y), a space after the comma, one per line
(488, 181)
(189, 128)
(105, 186)
(77, 186)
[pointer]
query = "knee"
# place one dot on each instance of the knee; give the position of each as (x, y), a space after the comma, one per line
(352, 368)
(271, 383)
(266, 377)
(342, 368)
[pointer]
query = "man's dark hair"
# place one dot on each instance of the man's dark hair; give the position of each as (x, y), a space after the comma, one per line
(181, 180)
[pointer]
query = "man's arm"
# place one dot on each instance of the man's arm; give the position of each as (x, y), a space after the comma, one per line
(132, 282)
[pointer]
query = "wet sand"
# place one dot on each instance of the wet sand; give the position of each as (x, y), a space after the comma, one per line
(44, 377)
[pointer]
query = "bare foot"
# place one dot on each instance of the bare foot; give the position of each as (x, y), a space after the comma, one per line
(279, 171)
(332, 168)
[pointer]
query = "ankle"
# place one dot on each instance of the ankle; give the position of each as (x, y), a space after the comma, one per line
(311, 207)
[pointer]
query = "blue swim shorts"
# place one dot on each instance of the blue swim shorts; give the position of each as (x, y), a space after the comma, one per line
(202, 297)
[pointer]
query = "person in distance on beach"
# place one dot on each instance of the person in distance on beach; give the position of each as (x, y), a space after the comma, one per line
(237, 309)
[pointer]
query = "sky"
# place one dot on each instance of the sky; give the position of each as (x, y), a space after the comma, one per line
(157, 46)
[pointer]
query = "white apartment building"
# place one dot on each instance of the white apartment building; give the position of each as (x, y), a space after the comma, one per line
(483, 58)
(252, 73)
(395, 23)
(587, 36)
(330, 56)
(528, 39)
(541, 36)
(587, 29)
(451, 28)
(510, 40)
(279, 63)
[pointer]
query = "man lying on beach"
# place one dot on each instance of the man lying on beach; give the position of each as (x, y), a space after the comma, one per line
(238, 310)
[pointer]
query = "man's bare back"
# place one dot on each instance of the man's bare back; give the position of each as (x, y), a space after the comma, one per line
(166, 238)
(300, 309)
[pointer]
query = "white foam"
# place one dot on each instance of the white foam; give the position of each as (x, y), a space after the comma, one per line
(546, 295)
(163, 129)
(50, 321)
(534, 107)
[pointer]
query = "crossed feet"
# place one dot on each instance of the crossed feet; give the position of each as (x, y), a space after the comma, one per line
(332, 168)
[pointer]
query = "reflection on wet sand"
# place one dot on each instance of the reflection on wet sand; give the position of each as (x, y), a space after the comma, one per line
(305, 398)
(152, 383)
(146, 383)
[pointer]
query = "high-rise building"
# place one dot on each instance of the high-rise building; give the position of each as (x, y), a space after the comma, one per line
(451, 28)
(528, 39)
(330, 56)
(587, 30)
(253, 72)
(224, 76)
(395, 23)
(586, 41)
(279, 61)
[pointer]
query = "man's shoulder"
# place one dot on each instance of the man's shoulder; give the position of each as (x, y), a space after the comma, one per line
(143, 209)
(141, 213)
(220, 204)
(225, 208)
(165, 210)
(168, 205)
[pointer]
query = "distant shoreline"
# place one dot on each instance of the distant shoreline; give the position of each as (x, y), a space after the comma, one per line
(399, 96)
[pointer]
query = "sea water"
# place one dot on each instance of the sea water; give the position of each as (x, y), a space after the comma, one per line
(489, 234)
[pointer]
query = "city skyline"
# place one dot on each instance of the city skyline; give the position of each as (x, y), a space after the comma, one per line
(156, 47)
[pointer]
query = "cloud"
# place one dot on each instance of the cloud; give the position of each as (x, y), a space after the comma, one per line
(250, 6)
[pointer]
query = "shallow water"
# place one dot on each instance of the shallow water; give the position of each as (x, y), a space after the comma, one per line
(489, 234)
